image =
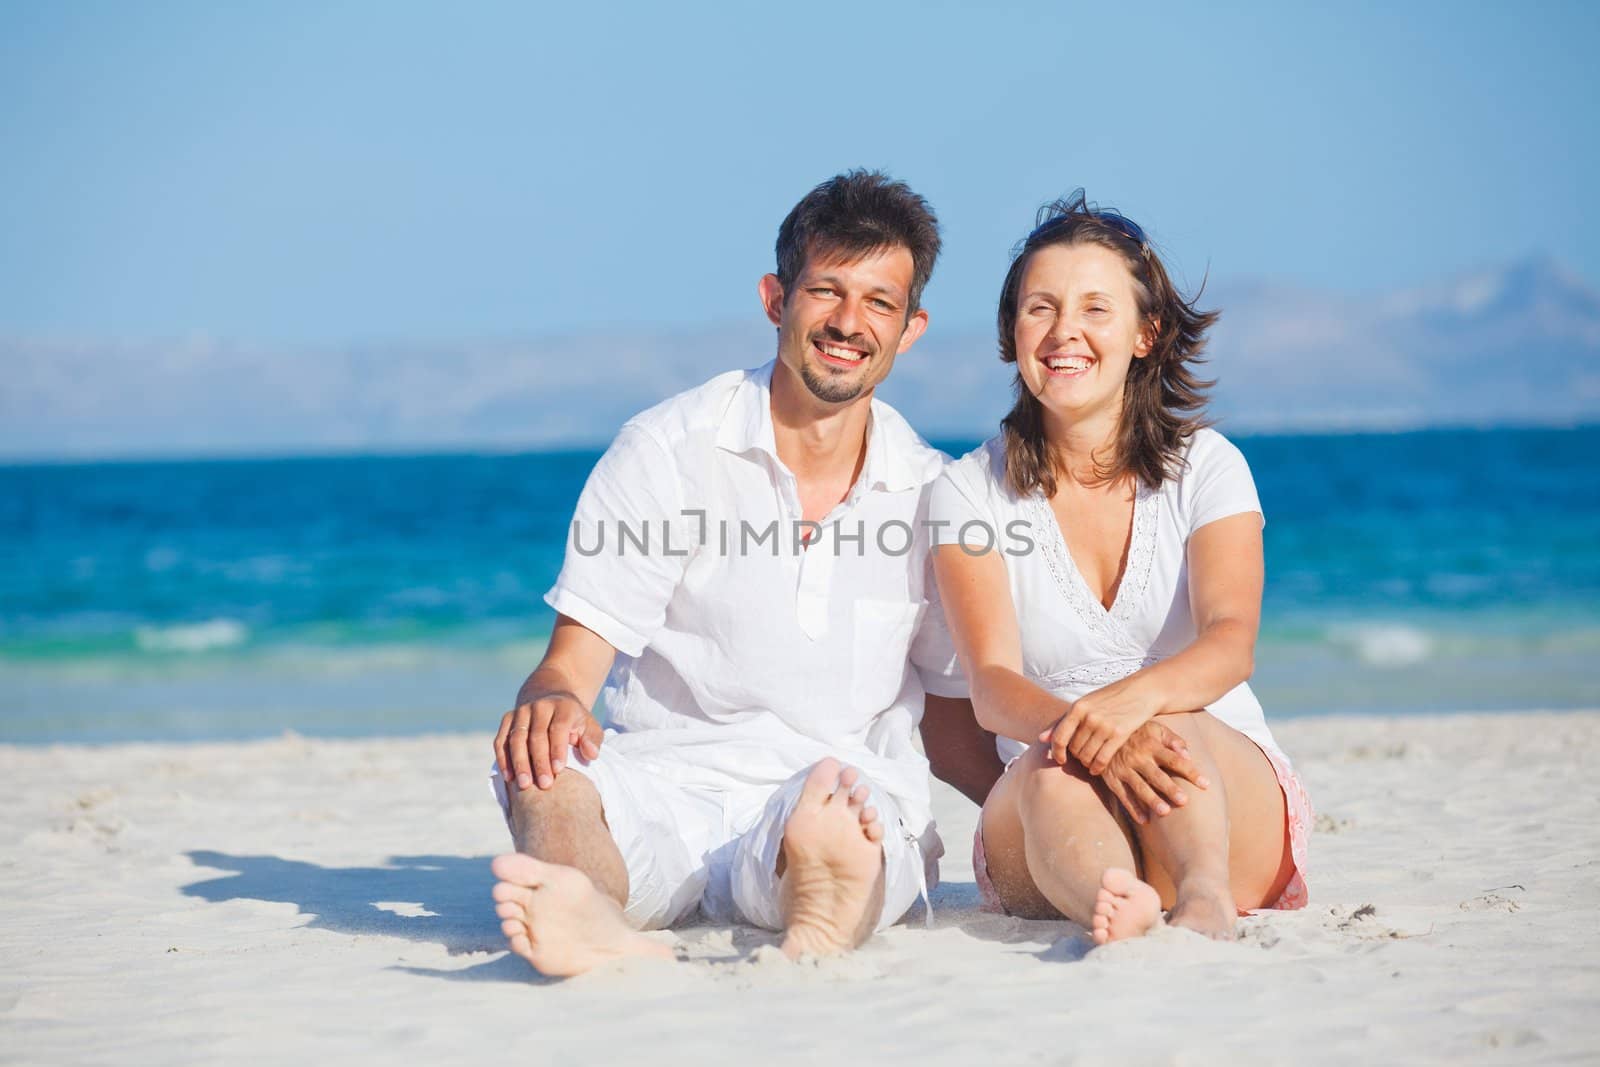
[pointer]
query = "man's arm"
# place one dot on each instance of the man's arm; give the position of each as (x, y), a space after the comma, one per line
(961, 752)
(554, 709)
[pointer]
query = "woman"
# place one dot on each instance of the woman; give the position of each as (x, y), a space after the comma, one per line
(1100, 563)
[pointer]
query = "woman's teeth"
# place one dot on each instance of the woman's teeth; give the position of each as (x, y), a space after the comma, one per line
(1067, 363)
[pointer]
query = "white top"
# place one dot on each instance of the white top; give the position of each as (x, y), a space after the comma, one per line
(1071, 644)
(745, 657)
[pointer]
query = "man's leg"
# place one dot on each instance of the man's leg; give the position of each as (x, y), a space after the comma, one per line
(830, 871)
(560, 895)
(566, 824)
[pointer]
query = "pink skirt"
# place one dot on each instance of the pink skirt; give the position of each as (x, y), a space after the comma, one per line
(1297, 806)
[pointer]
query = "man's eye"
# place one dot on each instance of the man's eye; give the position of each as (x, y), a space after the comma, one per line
(883, 305)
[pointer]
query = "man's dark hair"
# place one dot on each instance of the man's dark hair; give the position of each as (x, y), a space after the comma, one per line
(854, 215)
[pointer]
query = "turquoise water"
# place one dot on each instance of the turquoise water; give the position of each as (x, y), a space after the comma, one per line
(1427, 571)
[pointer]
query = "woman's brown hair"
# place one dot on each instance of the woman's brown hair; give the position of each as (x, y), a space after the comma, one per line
(1163, 402)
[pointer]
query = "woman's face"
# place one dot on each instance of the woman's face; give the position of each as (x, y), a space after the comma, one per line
(1078, 329)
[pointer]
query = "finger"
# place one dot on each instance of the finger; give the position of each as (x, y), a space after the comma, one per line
(1183, 767)
(1163, 783)
(1086, 740)
(591, 737)
(1061, 734)
(1107, 752)
(517, 746)
(1086, 747)
(563, 724)
(1147, 796)
(1059, 741)
(1115, 785)
(539, 744)
(500, 744)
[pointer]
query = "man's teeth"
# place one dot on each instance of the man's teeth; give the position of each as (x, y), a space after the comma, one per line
(1068, 363)
(843, 353)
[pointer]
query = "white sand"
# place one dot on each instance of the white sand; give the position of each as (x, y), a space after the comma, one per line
(330, 900)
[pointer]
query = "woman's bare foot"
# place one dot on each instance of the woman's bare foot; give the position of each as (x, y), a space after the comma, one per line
(558, 921)
(833, 865)
(1205, 908)
(1124, 907)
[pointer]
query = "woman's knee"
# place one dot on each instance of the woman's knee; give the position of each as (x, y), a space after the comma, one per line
(1041, 782)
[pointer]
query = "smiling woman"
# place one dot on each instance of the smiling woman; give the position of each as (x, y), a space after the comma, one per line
(1125, 290)
(1120, 649)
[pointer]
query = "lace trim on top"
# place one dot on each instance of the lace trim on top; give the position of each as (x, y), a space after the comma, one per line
(1099, 673)
(1109, 626)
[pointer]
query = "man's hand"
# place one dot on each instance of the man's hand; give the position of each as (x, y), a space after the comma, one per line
(536, 738)
(1144, 773)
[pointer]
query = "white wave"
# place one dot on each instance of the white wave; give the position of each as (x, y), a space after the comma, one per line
(191, 637)
(1385, 644)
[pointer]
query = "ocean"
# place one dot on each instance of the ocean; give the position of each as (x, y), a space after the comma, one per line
(1440, 570)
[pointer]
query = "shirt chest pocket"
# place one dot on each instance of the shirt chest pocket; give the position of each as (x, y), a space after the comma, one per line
(882, 643)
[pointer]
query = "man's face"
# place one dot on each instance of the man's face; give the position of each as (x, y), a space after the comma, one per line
(844, 321)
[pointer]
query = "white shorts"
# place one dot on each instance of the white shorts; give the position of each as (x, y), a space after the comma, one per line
(717, 850)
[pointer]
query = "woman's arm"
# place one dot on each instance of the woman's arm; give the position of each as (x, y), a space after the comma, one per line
(983, 625)
(1226, 574)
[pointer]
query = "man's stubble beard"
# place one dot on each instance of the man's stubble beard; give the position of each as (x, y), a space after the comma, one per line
(830, 390)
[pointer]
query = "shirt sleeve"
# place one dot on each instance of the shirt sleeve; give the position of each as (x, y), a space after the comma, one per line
(627, 545)
(956, 514)
(933, 652)
(1219, 482)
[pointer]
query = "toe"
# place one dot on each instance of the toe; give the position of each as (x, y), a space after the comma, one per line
(508, 892)
(519, 869)
(820, 783)
(848, 779)
(511, 911)
(1119, 880)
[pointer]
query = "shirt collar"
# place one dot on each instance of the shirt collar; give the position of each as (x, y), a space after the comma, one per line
(890, 464)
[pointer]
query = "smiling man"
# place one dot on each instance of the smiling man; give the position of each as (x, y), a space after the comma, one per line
(748, 578)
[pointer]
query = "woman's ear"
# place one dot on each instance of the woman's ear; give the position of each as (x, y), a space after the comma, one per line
(1147, 338)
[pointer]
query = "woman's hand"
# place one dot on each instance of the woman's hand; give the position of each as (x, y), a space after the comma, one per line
(1147, 774)
(1097, 725)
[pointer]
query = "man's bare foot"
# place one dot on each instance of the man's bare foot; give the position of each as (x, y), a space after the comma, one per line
(558, 921)
(1205, 908)
(1124, 907)
(833, 865)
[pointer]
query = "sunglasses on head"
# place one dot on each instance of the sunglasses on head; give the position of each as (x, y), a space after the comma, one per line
(1115, 219)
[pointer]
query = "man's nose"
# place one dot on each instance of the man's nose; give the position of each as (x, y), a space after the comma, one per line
(846, 317)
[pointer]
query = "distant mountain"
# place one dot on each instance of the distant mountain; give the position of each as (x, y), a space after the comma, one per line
(1520, 344)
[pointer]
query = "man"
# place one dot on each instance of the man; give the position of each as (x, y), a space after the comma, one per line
(749, 564)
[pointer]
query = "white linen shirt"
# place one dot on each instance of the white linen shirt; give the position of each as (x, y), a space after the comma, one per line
(743, 656)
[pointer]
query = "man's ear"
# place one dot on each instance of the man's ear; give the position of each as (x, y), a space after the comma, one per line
(772, 298)
(916, 326)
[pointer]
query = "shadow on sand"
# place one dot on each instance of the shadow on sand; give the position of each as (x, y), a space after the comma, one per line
(444, 900)
(441, 900)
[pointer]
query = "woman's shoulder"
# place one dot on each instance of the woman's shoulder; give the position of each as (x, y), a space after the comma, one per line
(1207, 448)
(981, 471)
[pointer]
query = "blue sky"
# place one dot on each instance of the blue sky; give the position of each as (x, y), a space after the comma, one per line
(334, 172)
